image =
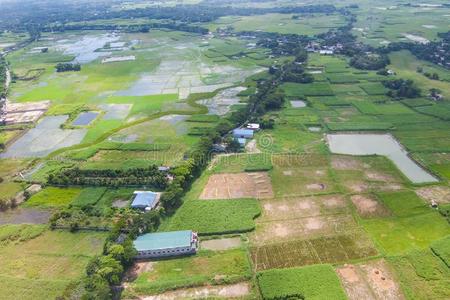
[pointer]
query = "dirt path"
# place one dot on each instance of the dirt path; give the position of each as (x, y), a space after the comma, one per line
(223, 291)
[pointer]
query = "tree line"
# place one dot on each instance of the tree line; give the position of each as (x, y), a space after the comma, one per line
(66, 67)
(149, 176)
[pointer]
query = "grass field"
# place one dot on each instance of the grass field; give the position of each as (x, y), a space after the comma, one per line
(216, 216)
(53, 197)
(422, 275)
(205, 268)
(40, 264)
(282, 23)
(311, 282)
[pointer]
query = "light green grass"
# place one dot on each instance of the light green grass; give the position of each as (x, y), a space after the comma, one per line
(215, 216)
(312, 282)
(53, 197)
(206, 267)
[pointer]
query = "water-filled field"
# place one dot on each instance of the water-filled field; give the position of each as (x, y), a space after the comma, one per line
(380, 144)
(45, 138)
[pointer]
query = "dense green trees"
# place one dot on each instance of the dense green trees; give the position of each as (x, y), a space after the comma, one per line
(401, 88)
(369, 61)
(150, 176)
(66, 67)
(3, 69)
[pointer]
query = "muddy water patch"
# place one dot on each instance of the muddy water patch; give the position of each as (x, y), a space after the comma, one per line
(379, 144)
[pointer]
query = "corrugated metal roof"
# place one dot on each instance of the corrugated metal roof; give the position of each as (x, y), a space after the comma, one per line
(163, 240)
(144, 199)
(243, 132)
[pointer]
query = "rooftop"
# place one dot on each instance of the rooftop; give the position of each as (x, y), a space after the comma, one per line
(163, 240)
(144, 199)
(243, 132)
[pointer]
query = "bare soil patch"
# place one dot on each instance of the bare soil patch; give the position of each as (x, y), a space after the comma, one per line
(221, 244)
(378, 176)
(356, 186)
(220, 291)
(386, 187)
(138, 268)
(368, 206)
(372, 280)
(316, 186)
(121, 203)
(252, 147)
(304, 228)
(345, 163)
(438, 194)
(301, 207)
(238, 185)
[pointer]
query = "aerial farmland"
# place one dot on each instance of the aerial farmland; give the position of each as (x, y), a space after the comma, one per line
(233, 149)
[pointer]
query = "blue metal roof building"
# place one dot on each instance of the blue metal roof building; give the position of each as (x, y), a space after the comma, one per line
(162, 244)
(243, 133)
(145, 200)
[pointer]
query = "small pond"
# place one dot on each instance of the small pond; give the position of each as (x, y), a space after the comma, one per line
(379, 144)
(85, 118)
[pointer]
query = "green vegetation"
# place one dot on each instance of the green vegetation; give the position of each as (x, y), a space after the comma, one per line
(311, 282)
(237, 163)
(216, 216)
(206, 267)
(41, 264)
(54, 197)
(441, 249)
(422, 275)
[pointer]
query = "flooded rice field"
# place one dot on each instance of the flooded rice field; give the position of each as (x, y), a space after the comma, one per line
(183, 71)
(115, 111)
(223, 101)
(45, 138)
(85, 49)
(379, 144)
(85, 118)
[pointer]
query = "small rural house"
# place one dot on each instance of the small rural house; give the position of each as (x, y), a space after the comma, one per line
(243, 133)
(253, 126)
(145, 200)
(326, 52)
(164, 244)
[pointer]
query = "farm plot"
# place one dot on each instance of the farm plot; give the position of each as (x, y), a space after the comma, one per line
(372, 280)
(43, 266)
(311, 282)
(437, 194)
(330, 249)
(215, 216)
(422, 275)
(369, 206)
(45, 138)
(293, 181)
(236, 163)
(238, 185)
(302, 207)
(304, 228)
(206, 267)
(237, 290)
